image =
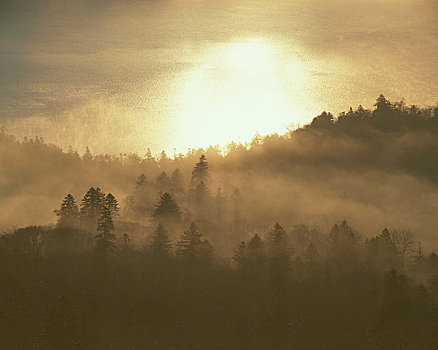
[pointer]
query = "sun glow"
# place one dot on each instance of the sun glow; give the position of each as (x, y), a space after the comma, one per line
(237, 89)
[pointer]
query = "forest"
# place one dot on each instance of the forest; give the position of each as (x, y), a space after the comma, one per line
(322, 238)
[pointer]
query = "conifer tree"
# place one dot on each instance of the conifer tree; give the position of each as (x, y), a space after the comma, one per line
(112, 204)
(278, 247)
(202, 194)
(105, 239)
(126, 247)
(219, 203)
(240, 255)
(141, 182)
(177, 181)
(166, 209)
(344, 243)
(162, 182)
(161, 245)
(276, 237)
(206, 251)
(92, 203)
(87, 155)
(236, 200)
(140, 203)
(382, 251)
(191, 247)
(148, 156)
(382, 104)
(200, 171)
(68, 213)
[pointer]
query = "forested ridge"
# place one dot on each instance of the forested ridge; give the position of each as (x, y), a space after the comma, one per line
(321, 238)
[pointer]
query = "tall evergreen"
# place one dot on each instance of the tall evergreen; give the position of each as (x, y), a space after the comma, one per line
(177, 181)
(68, 213)
(140, 203)
(112, 204)
(105, 239)
(191, 247)
(141, 182)
(166, 210)
(92, 203)
(200, 171)
(162, 182)
(277, 243)
(160, 245)
(240, 255)
(87, 155)
(202, 194)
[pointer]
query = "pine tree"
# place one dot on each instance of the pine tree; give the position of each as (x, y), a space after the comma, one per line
(148, 156)
(126, 247)
(162, 182)
(105, 239)
(276, 237)
(202, 194)
(161, 245)
(382, 104)
(141, 182)
(112, 204)
(166, 209)
(200, 171)
(191, 247)
(68, 213)
(92, 203)
(382, 251)
(240, 255)
(236, 200)
(344, 243)
(206, 251)
(140, 203)
(278, 247)
(177, 181)
(219, 203)
(87, 155)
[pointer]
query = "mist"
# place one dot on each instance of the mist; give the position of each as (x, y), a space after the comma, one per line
(84, 74)
(235, 174)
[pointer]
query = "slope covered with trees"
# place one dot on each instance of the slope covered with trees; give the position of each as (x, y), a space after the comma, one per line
(322, 238)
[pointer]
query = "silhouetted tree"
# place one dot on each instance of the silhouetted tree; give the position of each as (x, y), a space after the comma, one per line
(160, 246)
(141, 182)
(382, 251)
(162, 183)
(240, 256)
(87, 155)
(68, 213)
(200, 172)
(141, 201)
(105, 239)
(177, 181)
(91, 206)
(202, 194)
(277, 243)
(404, 244)
(344, 243)
(324, 121)
(382, 104)
(112, 204)
(166, 210)
(127, 247)
(191, 247)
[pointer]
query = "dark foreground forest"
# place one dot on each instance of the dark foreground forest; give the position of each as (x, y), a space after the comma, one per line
(322, 238)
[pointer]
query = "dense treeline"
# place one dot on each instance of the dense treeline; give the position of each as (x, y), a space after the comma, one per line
(210, 251)
(74, 287)
(391, 150)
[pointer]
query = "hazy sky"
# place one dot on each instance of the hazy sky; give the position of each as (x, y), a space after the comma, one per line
(125, 75)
